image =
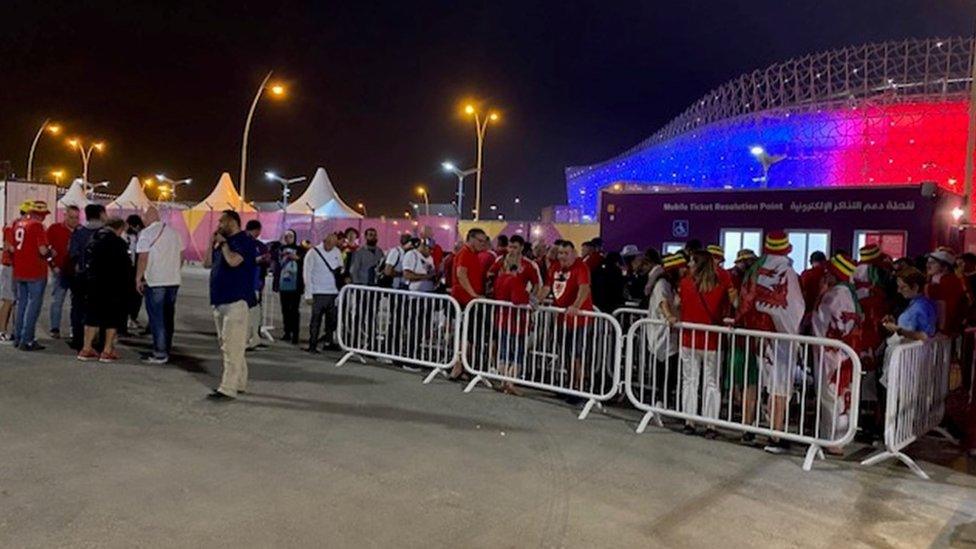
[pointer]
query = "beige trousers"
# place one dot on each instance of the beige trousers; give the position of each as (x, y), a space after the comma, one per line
(232, 330)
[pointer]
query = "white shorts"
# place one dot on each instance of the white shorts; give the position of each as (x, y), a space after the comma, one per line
(779, 365)
(7, 283)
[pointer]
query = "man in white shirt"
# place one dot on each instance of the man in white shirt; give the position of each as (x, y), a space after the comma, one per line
(393, 264)
(418, 267)
(323, 264)
(159, 257)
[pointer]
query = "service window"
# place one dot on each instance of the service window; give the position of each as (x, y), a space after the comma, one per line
(734, 240)
(805, 243)
(671, 247)
(892, 243)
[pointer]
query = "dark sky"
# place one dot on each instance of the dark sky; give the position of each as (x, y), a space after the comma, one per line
(375, 87)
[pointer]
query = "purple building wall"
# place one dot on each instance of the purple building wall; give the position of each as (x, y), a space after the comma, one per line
(651, 219)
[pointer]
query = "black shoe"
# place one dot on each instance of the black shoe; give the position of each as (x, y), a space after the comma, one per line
(32, 346)
(748, 438)
(217, 396)
(312, 350)
(575, 400)
(711, 434)
(780, 446)
(689, 430)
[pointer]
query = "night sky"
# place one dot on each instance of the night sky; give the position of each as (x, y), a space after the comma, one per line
(375, 88)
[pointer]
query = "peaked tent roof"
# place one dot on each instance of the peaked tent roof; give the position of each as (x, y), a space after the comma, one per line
(132, 198)
(322, 197)
(223, 197)
(75, 196)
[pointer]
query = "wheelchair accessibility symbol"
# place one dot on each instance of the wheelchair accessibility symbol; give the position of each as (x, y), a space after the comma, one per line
(679, 228)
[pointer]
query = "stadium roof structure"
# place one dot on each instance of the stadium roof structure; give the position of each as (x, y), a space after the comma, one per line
(885, 113)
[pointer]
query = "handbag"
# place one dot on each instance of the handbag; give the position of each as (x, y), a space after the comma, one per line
(337, 274)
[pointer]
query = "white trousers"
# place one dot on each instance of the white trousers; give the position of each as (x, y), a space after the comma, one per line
(232, 328)
(699, 373)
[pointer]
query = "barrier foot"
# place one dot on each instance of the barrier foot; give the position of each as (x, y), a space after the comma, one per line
(587, 407)
(266, 333)
(888, 454)
(473, 382)
(642, 426)
(945, 434)
(433, 373)
(345, 358)
(813, 452)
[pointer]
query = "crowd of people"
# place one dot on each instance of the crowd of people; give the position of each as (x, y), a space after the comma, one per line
(110, 267)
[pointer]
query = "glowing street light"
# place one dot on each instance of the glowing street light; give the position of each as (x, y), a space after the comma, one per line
(57, 175)
(481, 126)
(172, 184)
(361, 207)
(85, 153)
(766, 160)
(48, 127)
(277, 90)
(285, 183)
(461, 174)
(423, 192)
(148, 183)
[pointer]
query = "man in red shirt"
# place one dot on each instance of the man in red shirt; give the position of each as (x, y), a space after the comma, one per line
(58, 237)
(810, 282)
(569, 285)
(513, 276)
(468, 276)
(32, 257)
(8, 291)
(593, 253)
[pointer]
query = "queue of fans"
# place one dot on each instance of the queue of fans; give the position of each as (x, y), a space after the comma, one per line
(868, 303)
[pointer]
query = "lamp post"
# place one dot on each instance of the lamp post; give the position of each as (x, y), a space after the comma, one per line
(461, 174)
(423, 192)
(481, 127)
(766, 160)
(148, 183)
(362, 208)
(53, 129)
(173, 184)
(85, 155)
(518, 207)
(90, 189)
(57, 175)
(285, 186)
(277, 90)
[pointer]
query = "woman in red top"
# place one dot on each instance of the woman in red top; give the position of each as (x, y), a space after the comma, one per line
(704, 300)
(946, 290)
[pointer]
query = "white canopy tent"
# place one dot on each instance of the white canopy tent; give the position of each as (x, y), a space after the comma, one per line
(224, 196)
(75, 196)
(132, 198)
(322, 198)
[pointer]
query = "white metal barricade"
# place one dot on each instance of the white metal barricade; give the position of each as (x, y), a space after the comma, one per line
(917, 378)
(543, 348)
(270, 308)
(413, 327)
(721, 377)
(627, 316)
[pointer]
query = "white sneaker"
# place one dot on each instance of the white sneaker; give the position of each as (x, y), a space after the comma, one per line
(6, 339)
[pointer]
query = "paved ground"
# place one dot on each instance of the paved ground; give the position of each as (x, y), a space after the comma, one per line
(130, 455)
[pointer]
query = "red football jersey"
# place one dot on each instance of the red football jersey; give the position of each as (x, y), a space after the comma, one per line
(28, 237)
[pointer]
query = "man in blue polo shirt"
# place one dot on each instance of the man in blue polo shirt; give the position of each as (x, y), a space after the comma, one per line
(232, 279)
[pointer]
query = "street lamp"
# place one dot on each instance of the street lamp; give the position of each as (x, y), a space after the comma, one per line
(461, 174)
(277, 90)
(85, 153)
(481, 126)
(148, 183)
(423, 192)
(285, 186)
(361, 207)
(173, 184)
(57, 174)
(47, 126)
(518, 204)
(766, 160)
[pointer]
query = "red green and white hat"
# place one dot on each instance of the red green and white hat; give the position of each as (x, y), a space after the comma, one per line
(777, 243)
(717, 252)
(674, 261)
(869, 253)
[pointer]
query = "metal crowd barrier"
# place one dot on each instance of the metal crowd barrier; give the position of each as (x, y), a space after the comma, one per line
(270, 308)
(543, 348)
(720, 376)
(418, 328)
(627, 316)
(917, 377)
